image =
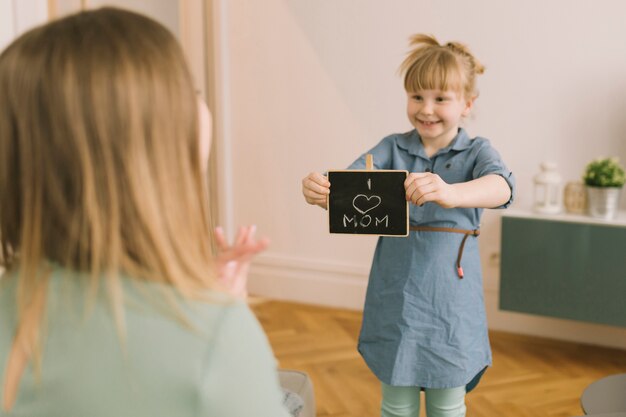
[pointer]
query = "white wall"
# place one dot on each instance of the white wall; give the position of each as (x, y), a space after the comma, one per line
(7, 30)
(309, 85)
(19, 16)
(164, 11)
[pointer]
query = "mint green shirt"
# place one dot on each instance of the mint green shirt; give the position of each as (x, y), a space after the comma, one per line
(222, 367)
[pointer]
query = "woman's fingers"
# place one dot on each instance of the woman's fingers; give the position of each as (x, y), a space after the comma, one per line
(242, 235)
(220, 239)
(245, 244)
(250, 236)
(233, 261)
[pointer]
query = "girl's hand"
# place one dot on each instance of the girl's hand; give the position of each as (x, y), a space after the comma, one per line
(233, 261)
(316, 188)
(422, 187)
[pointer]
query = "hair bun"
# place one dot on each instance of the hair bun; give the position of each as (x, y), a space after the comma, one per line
(463, 50)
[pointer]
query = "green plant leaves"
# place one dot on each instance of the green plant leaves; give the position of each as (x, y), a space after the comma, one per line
(604, 172)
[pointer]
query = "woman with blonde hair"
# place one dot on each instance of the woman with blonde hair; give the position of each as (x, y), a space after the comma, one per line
(115, 300)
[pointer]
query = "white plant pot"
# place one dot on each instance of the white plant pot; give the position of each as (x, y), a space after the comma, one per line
(603, 201)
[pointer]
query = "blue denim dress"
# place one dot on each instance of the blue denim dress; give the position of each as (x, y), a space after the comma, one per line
(422, 325)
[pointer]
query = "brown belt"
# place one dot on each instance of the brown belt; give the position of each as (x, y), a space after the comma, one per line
(465, 232)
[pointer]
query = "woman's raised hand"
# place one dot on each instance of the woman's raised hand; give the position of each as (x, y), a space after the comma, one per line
(233, 261)
(316, 188)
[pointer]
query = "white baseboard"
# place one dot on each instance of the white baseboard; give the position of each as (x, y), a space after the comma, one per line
(344, 286)
(310, 282)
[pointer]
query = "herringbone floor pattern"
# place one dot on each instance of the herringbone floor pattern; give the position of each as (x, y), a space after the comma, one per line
(530, 377)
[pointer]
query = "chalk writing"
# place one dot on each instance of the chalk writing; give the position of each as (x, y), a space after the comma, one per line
(363, 203)
(368, 202)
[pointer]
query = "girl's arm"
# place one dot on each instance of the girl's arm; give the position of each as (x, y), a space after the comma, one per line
(488, 191)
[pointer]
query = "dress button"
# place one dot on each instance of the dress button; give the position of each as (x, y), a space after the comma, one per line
(427, 169)
(448, 165)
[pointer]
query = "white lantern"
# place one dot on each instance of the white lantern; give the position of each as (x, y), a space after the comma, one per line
(548, 192)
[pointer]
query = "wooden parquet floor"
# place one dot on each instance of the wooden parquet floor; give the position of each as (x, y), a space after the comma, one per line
(530, 377)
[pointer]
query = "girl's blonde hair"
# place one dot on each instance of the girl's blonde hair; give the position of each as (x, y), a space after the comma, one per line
(430, 65)
(100, 167)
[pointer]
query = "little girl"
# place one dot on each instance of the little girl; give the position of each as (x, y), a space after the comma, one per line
(113, 303)
(424, 324)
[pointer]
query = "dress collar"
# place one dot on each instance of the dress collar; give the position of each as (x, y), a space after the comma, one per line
(412, 143)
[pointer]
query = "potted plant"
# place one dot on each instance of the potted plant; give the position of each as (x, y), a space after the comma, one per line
(604, 178)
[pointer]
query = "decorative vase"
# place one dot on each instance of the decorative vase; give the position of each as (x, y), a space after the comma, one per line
(575, 197)
(547, 189)
(603, 201)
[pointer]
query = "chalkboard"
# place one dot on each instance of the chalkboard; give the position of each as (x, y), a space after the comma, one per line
(368, 202)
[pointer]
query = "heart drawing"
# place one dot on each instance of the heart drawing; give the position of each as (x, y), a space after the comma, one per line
(363, 203)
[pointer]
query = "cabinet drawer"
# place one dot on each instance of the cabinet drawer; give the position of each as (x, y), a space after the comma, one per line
(567, 270)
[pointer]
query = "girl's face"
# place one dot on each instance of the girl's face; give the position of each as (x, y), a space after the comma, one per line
(205, 122)
(437, 114)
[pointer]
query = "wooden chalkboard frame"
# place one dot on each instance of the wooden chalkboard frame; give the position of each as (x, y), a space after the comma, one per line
(328, 207)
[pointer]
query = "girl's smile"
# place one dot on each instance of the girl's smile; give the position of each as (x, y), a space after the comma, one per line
(436, 115)
(428, 123)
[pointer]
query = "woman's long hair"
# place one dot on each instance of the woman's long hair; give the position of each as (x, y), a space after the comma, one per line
(100, 167)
